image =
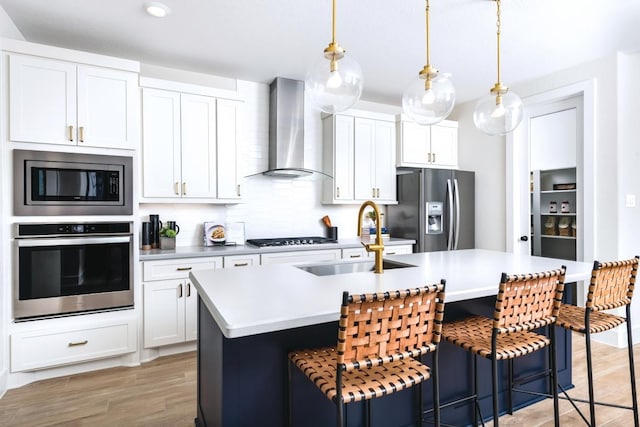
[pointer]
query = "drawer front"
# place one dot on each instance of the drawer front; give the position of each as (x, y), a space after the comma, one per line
(398, 250)
(355, 253)
(177, 268)
(300, 257)
(44, 349)
(241, 260)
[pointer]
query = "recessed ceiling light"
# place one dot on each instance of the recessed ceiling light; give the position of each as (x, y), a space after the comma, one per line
(157, 9)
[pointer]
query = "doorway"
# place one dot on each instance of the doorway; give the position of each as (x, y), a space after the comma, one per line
(561, 114)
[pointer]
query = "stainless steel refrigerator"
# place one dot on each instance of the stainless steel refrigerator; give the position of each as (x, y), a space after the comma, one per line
(435, 208)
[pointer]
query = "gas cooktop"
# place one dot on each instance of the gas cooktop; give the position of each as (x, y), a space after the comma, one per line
(289, 241)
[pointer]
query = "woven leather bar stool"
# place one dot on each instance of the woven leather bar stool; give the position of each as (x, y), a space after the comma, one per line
(611, 287)
(524, 303)
(380, 337)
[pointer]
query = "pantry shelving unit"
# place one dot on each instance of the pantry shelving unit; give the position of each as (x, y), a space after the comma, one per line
(554, 216)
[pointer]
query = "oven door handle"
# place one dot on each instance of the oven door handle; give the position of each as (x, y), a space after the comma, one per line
(59, 241)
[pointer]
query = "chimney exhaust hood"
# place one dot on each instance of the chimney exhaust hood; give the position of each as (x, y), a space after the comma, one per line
(286, 129)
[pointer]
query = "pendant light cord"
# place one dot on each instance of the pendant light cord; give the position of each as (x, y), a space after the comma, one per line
(498, 25)
(427, 30)
(333, 23)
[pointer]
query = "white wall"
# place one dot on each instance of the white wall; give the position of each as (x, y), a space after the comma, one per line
(7, 28)
(486, 156)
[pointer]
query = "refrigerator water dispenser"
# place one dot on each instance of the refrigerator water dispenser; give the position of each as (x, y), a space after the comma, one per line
(434, 218)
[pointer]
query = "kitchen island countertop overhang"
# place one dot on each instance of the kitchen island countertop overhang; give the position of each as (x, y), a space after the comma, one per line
(270, 298)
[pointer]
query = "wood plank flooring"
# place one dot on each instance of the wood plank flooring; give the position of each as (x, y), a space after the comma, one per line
(163, 393)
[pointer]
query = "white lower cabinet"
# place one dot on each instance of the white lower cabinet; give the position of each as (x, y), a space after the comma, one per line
(171, 300)
(49, 347)
(300, 257)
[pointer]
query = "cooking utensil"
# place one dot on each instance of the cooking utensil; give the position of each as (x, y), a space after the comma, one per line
(327, 220)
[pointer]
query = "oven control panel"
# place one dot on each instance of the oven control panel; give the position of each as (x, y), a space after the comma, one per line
(72, 229)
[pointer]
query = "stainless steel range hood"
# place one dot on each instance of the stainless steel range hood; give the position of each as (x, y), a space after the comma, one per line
(286, 129)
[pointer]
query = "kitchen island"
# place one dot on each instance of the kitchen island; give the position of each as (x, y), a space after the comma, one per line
(250, 318)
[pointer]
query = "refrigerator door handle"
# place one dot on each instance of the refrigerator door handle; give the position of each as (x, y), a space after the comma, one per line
(450, 215)
(456, 191)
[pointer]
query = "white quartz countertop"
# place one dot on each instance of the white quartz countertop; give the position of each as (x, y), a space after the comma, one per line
(254, 300)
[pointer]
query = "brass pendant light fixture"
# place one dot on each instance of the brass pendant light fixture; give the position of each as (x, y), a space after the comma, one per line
(430, 97)
(499, 112)
(334, 82)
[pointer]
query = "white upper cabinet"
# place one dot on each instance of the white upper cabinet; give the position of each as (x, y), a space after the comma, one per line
(427, 146)
(374, 169)
(228, 135)
(190, 146)
(338, 151)
(198, 143)
(61, 102)
(359, 153)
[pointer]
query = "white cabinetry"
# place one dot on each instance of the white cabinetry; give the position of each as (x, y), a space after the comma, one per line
(427, 146)
(300, 257)
(359, 153)
(61, 102)
(190, 146)
(170, 300)
(80, 342)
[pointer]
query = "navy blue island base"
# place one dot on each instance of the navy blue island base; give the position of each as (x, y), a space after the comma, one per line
(243, 381)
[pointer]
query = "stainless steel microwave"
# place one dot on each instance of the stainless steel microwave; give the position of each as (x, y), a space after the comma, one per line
(56, 183)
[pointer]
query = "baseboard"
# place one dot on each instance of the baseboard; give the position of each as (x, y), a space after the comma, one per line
(4, 381)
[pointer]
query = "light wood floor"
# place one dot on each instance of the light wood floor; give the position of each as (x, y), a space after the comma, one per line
(163, 393)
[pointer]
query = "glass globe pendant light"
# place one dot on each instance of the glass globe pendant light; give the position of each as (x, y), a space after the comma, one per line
(431, 96)
(334, 82)
(499, 112)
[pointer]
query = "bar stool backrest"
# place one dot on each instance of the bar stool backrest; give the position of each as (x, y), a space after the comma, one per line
(382, 327)
(528, 301)
(612, 284)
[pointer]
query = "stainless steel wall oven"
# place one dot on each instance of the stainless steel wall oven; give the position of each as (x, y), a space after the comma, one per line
(54, 183)
(62, 269)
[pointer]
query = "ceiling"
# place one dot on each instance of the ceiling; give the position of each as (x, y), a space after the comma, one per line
(260, 39)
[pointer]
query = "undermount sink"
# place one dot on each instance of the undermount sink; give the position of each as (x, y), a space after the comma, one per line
(350, 267)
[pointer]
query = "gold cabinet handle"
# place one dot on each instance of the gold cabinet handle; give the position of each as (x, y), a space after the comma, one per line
(70, 130)
(429, 157)
(434, 157)
(240, 264)
(377, 192)
(184, 188)
(188, 289)
(180, 290)
(81, 134)
(176, 188)
(78, 343)
(337, 192)
(373, 190)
